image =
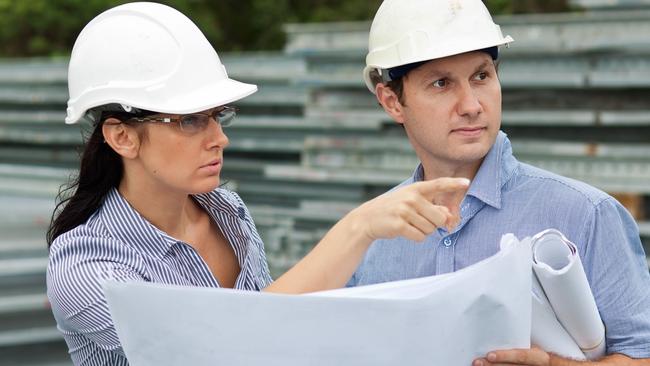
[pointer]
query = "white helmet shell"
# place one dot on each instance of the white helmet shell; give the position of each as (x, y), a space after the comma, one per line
(147, 56)
(405, 32)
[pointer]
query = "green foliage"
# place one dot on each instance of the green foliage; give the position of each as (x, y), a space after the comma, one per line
(332, 10)
(526, 6)
(499, 6)
(45, 27)
(257, 24)
(49, 27)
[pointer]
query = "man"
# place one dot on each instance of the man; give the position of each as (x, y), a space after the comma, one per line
(431, 64)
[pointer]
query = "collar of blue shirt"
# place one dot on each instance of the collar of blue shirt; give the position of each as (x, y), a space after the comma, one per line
(497, 168)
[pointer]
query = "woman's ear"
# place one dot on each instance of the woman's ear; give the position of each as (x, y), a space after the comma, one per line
(390, 102)
(121, 137)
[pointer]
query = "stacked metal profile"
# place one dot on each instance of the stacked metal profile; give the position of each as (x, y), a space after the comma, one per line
(610, 4)
(312, 143)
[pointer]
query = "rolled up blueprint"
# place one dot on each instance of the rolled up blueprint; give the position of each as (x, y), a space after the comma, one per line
(558, 268)
(546, 330)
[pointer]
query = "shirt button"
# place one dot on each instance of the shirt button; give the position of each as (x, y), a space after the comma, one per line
(447, 242)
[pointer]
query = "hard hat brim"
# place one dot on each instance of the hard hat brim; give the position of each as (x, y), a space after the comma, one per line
(209, 96)
(217, 94)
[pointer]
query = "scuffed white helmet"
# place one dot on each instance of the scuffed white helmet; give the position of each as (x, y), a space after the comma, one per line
(404, 32)
(147, 56)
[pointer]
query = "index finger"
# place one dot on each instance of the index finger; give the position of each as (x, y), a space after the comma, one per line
(431, 188)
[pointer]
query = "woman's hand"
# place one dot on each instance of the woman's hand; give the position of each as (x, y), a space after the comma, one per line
(414, 211)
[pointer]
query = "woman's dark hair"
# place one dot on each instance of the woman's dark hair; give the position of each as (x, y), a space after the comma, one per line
(101, 169)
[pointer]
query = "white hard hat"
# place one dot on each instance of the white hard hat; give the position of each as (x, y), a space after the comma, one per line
(405, 32)
(147, 56)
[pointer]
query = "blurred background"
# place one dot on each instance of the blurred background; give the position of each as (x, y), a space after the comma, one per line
(312, 143)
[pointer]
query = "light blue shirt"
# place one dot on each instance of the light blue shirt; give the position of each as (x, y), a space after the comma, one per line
(507, 196)
(117, 243)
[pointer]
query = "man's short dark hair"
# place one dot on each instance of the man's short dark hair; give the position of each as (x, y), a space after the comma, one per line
(397, 86)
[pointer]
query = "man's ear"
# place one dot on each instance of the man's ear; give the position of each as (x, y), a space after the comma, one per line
(390, 102)
(122, 138)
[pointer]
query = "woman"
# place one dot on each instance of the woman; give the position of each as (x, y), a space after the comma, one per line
(146, 204)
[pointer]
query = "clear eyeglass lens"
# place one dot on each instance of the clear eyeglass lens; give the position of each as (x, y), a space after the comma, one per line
(224, 116)
(194, 122)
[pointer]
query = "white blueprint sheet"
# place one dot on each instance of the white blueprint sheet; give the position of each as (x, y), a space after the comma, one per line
(444, 320)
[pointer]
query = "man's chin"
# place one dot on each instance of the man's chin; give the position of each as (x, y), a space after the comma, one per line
(472, 152)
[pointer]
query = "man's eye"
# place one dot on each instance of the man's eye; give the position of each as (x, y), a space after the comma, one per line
(481, 76)
(440, 83)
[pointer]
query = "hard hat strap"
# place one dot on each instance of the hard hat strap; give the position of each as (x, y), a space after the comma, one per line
(94, 115)
(399, 71)
(385, 75)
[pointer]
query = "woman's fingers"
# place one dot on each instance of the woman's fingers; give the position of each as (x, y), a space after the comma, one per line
(413, 211)
(420, 223)
(410, 232)
(448, 192)
(434, 215)
(422, 216)
(433, 189)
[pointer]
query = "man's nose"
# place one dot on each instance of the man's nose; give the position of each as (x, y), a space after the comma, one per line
(468, 101)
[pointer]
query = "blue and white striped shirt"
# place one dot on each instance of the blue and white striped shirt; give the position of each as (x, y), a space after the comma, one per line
(507, 196)
(117, 243)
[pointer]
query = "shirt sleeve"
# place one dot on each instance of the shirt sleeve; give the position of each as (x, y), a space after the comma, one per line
(76, 273)
(616, 266)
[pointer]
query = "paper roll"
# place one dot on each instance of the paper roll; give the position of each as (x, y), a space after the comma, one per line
(546, 330)
(557, 265)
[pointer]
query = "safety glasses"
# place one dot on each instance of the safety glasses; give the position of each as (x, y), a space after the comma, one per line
(195, 122)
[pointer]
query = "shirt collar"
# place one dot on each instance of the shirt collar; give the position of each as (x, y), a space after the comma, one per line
(127, 225)
(418, 174)
(497, 167)
(223, 201)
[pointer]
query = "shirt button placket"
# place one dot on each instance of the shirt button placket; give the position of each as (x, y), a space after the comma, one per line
(446, 256)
